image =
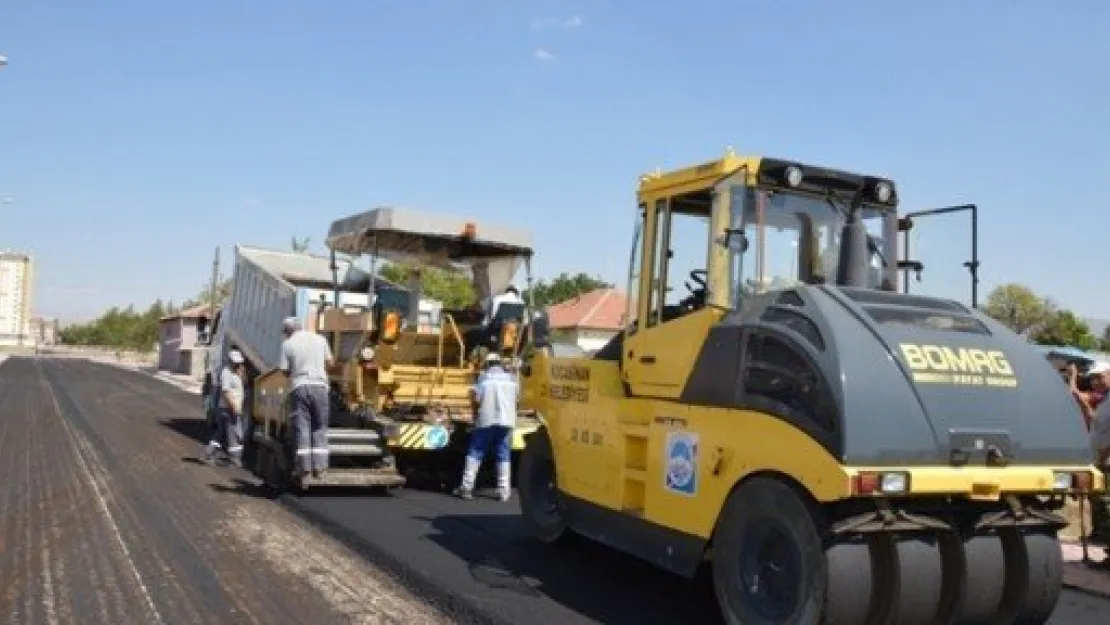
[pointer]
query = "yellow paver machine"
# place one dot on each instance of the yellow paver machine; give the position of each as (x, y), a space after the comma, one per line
(414, 369)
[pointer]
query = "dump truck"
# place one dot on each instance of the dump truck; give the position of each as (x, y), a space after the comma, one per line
(267, 287)
(419, 377)
(837, 451)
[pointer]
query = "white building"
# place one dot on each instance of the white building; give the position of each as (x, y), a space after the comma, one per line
(15, 299)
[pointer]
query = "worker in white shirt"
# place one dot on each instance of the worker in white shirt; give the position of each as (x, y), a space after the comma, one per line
(305, 358)
(495, 396)
(229, 418)
(510, 296)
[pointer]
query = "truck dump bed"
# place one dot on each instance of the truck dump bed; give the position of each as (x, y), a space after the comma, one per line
(270, 285)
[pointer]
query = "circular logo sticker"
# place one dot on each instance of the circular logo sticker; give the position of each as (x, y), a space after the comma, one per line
(436, 437)
(682, 463)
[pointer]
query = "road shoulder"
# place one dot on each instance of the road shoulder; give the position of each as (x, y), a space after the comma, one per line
(1080, 576)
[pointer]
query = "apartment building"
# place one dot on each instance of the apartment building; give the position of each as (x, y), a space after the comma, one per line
(15, 299)
(44, 331)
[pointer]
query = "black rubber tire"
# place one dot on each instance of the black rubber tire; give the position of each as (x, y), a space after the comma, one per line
(1045, 566)
(920, 580)
(985, 571)
(250, 447)
(766, 504)
(536, 487)
(858, 576)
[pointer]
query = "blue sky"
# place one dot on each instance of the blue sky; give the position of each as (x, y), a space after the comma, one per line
(137, 136)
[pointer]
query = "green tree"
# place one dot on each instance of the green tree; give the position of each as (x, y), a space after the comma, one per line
(453, 289)
(1063, 328)
(119, 328)
(1104, 342)
(564, 287)
(1018, 307)
(204, 298)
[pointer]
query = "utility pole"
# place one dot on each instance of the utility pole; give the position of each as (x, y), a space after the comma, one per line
(212, 312)
(215, 283)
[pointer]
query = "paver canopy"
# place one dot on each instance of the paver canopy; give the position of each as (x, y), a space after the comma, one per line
(491, 252)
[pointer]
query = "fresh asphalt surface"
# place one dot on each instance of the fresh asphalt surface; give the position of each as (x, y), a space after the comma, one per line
(104, 519)
(472, 559)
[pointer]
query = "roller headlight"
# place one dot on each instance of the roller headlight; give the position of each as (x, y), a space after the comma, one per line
(881, 483)
(883, 191)
(893, 483)
(793, 175)
(1061, 480)
(367, 353)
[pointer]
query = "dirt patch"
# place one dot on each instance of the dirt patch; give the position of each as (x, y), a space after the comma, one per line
(353, 588)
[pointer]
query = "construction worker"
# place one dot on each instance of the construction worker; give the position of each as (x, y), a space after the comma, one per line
(1100, 446)
(495, 397)
(229, 412)
(510, 296)
(306, 358)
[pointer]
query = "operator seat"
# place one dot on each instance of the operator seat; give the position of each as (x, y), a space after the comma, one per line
(506, 312)
(390, 299)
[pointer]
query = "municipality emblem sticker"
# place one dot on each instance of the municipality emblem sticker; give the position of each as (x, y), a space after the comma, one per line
(436, 437)
(681, 454)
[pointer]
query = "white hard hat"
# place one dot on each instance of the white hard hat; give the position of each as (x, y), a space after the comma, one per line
(1099, 366)
(291, 323)
(235, 356)
(493, 357)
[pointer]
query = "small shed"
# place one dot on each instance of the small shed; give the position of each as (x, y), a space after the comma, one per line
(179, 340)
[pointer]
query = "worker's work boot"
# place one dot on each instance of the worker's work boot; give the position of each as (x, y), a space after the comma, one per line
(470, 474)
(504, 490)
(210, 452)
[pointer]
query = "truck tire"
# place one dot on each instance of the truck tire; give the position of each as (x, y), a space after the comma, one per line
(768, 558)
(539, 497)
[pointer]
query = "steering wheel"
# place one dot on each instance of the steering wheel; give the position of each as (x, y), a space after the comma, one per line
(698, 276)
(696, 299)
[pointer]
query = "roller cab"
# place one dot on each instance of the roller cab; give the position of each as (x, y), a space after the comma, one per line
(838, 451)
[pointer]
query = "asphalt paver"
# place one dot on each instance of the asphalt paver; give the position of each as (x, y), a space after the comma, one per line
(472, 560)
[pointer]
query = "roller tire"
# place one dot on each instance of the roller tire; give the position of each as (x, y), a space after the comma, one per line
(920, 580)
(858, 574)
(760, 514)
(1045, 575)
(539, 501)
(984, 579)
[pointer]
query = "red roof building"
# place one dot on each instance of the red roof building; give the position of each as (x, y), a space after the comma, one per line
(590, 319)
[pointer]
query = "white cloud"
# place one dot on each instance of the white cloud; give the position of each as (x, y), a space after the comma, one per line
(251, 202)
(543, 55)
(551, 23)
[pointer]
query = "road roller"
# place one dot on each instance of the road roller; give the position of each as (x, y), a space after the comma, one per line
(835, 450)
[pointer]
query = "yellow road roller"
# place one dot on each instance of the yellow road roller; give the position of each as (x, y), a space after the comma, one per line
(837, 451)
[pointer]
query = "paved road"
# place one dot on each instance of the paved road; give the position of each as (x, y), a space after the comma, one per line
(106, 521)
(470, 557)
